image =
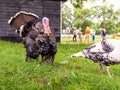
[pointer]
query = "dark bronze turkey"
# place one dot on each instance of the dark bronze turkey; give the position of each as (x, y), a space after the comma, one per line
(38, 37)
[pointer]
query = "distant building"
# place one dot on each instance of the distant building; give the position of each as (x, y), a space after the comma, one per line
(48, 8)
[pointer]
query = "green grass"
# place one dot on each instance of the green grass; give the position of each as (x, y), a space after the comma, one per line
(65, 74)
(68, 39)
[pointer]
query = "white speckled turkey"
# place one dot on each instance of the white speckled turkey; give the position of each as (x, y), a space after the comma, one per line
(106, 52)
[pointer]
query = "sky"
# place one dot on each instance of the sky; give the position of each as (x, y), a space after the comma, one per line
(116, 3)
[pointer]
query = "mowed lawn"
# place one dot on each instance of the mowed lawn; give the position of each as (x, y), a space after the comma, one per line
(68, 39)
(65, 74)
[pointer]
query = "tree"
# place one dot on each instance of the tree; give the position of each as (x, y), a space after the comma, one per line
(95, 16)
(85, 24)
(107, 17)
(67, 17)
(82, 16)
(77, 3)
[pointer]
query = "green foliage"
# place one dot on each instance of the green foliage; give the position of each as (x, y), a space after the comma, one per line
(110, 27)
(85, 24)
(67, 17)
(95, 16)
(108, 17)
(96, 27)
(77, 3)
(65, 74)
(117, 29)
(82, 17)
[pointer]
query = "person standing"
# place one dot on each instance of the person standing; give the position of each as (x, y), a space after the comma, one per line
(75, 35)
(93, 35)
(103, 32)
(80, 36)
(87, 34)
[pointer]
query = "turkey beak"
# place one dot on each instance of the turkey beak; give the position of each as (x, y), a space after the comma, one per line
(72, 56)
(79, 54)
